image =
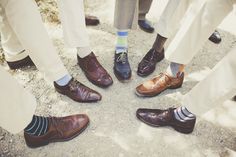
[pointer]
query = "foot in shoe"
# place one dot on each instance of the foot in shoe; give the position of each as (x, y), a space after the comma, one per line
(94, 71)
(78, 92)
(25, 62)
(122, 68)
(145, 26)
(91, 20)
(159, 84)
(179, 118)
(215, 37)
(58, 130)
(149, 61)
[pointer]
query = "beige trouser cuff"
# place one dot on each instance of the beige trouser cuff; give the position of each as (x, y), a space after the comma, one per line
(15, 56)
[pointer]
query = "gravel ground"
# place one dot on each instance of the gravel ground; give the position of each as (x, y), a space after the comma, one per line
(114, 131)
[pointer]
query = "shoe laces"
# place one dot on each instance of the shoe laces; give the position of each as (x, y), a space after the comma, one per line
(162, 79)
(74, 84)
(122, 57)
(55, 122)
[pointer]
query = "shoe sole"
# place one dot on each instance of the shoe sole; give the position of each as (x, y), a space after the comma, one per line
(145, 30)
(144, 75)
(144, 95)
(177, 128)
(214, 41)
(61, 140)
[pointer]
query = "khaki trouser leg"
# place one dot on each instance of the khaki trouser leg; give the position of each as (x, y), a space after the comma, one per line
(73, 23)
(24, 18)
(17, 105)
(217, 87)
(200, 21)
(144, 7)
(12, 47)
(171, 17)
(126, 14)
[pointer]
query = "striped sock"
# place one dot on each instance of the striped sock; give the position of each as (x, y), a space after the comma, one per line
(38, 126)
(182, 114)
(122, 41)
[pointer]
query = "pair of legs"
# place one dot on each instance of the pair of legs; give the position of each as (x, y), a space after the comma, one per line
(168, 25)
(28, 37)
(128, 14)
(17, 113)
(75, 35)
(172, 20)
(199, 22)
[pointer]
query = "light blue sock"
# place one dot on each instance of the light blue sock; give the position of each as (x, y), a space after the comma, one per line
(64, 80)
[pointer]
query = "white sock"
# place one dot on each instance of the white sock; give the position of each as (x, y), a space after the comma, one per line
(174, 69)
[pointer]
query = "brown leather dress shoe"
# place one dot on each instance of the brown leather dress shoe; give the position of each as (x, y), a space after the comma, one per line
(215, 37)
(148, 63)
(78, 92)
(59, 130)
(25, 62)
(234, 98)
(157, 118)
(91, 20)
(94, 71)
(158, 84)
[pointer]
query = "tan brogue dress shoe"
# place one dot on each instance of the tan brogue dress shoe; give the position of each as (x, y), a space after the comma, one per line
(158, 84)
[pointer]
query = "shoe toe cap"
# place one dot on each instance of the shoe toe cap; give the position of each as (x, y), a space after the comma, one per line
(94, 96)
(141, 89)
(82, 119)
(106, 81)
(126, 75)
(140, 113)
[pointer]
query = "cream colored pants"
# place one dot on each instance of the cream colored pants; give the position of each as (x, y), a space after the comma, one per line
(17, 105)
(128, 12)
(200, 20)
(22, 28)
(218, 86)
(171, 17)
(22, 20)
(73, 24)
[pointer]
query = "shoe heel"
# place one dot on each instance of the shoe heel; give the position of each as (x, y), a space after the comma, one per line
(176, 86)
(60, 91)
(37, 145)
(34, 142)
(184, 130)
